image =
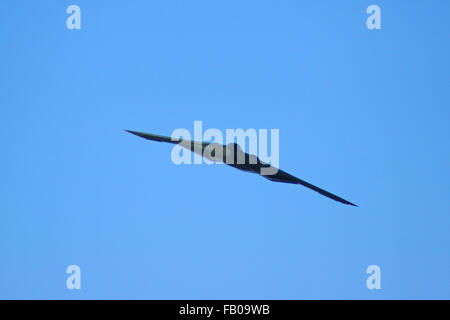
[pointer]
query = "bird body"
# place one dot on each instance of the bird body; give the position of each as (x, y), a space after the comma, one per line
(232, 155)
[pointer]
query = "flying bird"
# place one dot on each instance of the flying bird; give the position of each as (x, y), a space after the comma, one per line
(232, 155)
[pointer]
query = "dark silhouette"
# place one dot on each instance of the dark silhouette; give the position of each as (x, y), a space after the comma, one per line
(232, 155)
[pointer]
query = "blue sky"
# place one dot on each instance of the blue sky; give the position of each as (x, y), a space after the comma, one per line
(361, 113)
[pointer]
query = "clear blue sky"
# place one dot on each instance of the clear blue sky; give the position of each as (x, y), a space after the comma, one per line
(364, 114)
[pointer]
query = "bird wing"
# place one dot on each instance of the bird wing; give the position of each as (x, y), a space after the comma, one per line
(194, 146)
(155, 137)
(285, 177)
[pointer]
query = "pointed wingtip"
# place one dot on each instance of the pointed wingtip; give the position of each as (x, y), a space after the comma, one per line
(154, 137)
(136, 133)
(352, 204)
